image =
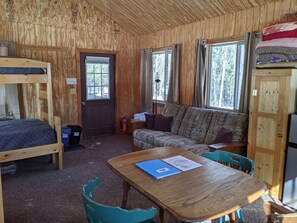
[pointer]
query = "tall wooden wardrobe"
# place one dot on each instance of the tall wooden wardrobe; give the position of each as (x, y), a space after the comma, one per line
(273, 98)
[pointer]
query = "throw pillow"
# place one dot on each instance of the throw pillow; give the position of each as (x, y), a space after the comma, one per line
(162, 123)
(149, 118)
(224, 135)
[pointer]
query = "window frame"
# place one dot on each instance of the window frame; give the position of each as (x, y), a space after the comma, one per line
(239, 43)
(167, 51)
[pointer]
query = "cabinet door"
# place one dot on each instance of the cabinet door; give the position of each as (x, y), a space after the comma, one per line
(266, 140)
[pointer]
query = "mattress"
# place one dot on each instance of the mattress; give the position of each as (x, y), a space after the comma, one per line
(20, 70)
(24, 133)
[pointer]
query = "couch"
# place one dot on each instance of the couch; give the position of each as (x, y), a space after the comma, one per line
(195, 129)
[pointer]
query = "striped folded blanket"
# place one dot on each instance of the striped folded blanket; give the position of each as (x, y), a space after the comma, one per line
(276, 49)
(276, 57)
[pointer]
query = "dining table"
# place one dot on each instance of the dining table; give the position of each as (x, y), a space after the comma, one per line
(203, 193)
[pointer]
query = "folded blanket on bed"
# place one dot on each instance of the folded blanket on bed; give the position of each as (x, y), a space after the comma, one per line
(286, 34)
(276, 57)
(281, 27)
(26, 70)
(24, 133)
(276, 49)
(282, 42)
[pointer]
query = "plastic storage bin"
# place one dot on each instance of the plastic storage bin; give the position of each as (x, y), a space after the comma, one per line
(66, 132)
(75, 134)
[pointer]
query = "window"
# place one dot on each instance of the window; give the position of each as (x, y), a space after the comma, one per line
(225, 75)
(97, 78)
(161, 74)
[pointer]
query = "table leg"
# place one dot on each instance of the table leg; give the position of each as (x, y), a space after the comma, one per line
(163, 215)
(126, 188)
(232, 217)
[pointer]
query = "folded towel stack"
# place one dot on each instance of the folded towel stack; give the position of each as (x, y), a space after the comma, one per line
(279, 42)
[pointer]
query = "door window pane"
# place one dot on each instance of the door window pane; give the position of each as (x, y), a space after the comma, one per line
(98, 82)
(105, 68)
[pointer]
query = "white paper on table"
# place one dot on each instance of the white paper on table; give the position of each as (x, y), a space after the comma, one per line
(182, 163)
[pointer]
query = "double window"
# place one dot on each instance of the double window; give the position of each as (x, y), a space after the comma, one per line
(161, 63)
(225, 74)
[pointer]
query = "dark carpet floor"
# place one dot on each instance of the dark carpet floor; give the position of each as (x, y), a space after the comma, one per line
(38, 192)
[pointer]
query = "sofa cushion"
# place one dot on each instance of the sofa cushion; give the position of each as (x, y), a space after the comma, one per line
(148, 135)
(196, 148)
(149, 121)
(195, 124)
(162, 123)
(175, 111)
(188, 122)
(217, 121)
(224, 135)
(142, 144)
(172, 140)
(237, 122)
(202, 123)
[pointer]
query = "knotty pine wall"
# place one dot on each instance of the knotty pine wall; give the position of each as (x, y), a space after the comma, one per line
(234, 24)
(55, 31)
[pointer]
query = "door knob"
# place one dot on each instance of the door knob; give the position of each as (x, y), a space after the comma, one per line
(83, 103)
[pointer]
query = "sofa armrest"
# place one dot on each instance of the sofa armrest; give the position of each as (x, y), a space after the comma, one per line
(238, 148)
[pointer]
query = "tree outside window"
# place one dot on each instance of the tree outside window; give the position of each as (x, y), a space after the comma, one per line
(161, 74)
(226, 63)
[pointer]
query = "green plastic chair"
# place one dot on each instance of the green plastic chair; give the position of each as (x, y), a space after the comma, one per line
(99, 213)
(235, 161)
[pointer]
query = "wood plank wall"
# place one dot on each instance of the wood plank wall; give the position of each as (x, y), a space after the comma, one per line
(52, 31)
(234, 24)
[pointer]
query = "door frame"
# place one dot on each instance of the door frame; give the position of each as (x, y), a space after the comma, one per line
(78, 77)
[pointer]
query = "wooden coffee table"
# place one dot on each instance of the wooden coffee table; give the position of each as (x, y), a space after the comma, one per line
(204, 193)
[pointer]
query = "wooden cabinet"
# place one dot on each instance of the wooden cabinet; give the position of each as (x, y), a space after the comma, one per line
(273, 98)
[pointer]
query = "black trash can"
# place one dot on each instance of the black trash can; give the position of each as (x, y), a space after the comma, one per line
(75, 134)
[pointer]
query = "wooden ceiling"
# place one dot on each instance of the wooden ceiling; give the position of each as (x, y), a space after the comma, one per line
(141, 17)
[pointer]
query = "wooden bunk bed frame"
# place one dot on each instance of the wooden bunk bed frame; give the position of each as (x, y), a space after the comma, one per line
(56, 149)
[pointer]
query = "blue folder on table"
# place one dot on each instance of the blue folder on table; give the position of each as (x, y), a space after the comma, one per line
(157, 168)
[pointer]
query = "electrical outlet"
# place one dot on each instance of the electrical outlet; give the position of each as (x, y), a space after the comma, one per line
(72, 90)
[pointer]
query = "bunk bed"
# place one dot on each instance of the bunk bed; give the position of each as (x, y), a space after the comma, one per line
(37, 74)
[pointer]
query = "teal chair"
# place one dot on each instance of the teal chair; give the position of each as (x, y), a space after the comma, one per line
(235, 161)
(99, 213)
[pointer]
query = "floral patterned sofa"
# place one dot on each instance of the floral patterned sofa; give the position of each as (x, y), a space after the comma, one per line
(194, 129)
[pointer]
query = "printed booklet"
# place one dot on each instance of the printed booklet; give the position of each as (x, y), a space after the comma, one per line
(166, 167)
(182, 163)
(157, 168)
